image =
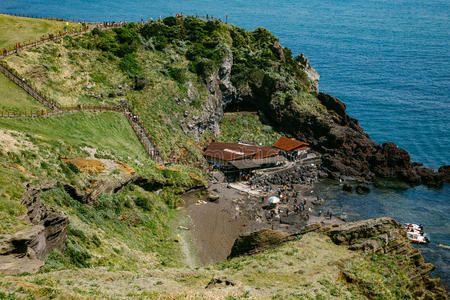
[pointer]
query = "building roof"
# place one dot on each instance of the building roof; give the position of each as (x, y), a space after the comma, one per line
(233, 151)
(286, 144)
(257, 163)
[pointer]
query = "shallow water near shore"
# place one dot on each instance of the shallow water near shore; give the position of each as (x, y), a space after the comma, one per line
(389, 61)
(418, 205)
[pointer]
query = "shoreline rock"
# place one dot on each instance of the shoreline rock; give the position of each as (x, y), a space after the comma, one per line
(372, 236)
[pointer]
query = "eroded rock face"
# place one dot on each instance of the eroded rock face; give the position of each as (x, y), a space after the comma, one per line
(221, 91)
(312, 74)
(348, 151)
(53, 221)
(111, 186)
(387, 236)
(255, 242)
(379, 236)
(24, 250)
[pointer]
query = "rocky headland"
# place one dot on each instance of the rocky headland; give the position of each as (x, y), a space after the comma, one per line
(383, 236)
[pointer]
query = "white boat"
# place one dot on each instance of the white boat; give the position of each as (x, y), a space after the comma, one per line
(414, 228)
(417, 238)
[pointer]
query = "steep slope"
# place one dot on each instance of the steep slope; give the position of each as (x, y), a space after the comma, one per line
(316, 265)
(83, 186)
(181, 74)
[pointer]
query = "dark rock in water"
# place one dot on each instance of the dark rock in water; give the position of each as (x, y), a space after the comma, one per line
(347, 188)
(362, 189)
(429, 177)
(444, 173)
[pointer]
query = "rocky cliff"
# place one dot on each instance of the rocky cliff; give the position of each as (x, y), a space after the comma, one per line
(382, 236)
(24, 250)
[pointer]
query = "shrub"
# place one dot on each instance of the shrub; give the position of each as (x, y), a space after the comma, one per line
(178, 74)
(129, 65)
(143, 202)
(78, 256)
(73, 167)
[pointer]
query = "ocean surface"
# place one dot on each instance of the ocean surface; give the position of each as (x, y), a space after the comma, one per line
(389, 61)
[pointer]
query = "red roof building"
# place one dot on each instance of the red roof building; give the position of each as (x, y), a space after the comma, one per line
(231, 151)
(287, 144)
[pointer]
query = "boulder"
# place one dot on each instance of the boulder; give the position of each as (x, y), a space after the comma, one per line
(213, 197)
(362, 189)
(220, 282)
(347, 188)
(256, 242)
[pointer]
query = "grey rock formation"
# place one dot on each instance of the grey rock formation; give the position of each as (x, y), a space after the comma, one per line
(313, 75)
(24, 250)
(221, 91)
(53, 220)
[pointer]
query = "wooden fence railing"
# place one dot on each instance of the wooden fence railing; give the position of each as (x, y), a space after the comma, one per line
(32, 92)
(60, 111)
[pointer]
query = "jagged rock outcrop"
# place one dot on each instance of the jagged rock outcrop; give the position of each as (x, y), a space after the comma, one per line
(255, 242)
(312, 74)
(379, 236)
(221, 91)
(387, 236)
(111, 186)
(24, 250)
(53, 220)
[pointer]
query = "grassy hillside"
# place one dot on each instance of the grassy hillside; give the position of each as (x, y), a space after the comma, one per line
(19, 30)
(248, 127)
(162, 70)
(120, 230)
(15, 100)
(310, 268)
(109, 132)
(14, 30)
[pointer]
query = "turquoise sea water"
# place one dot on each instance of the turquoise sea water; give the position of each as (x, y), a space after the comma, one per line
(388, 61)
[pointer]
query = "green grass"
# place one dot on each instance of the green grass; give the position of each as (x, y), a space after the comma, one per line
(235, 127)
(17, 29)
(115, 231)
(31, 148)
(15, 100)
(108, 131)
(119, 231)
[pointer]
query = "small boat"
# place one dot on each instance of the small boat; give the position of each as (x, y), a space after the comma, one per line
(414, 228)
(417, 238)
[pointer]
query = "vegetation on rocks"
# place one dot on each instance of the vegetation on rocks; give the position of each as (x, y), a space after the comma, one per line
(308, 268)
(187, 79)
(161, 70)
(119, 230)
